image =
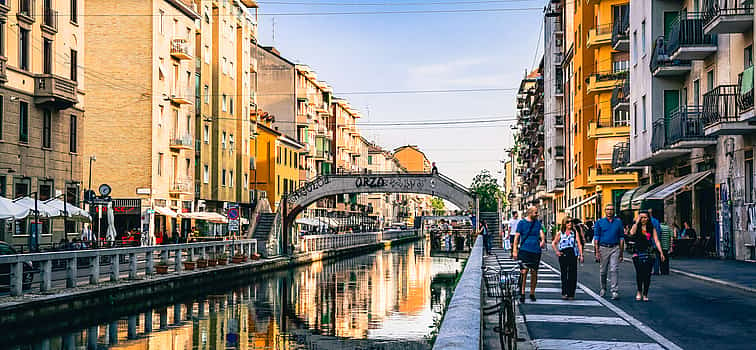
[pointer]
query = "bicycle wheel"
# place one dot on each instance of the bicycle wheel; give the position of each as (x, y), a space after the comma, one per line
(510, 326)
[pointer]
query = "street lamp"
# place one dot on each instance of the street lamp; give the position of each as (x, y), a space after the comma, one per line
(34, 234)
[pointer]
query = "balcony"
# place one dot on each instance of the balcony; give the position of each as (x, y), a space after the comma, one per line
(182, 96)
(621, 33)
(687, 40)
(621, 156)
(603, 176)
(728, 16)
(559, 121)
(601, 35)
(660, 151)
(684, 129)
(322, 155)
(54, 91)
(609, 127)
(179, 142)
(621, 97)
(180, 49)
(745, 94)
(662, 66)
(605, 81)
(722, 110)
(181, 186)
(50, 21)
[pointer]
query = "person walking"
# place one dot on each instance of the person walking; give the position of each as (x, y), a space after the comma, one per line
(645, 239)
(609, 244)
(569, 248)
(512, 229)
(483, 231)
(528, 242)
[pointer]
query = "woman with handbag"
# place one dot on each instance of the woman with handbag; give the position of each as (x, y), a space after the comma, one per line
(645, 239)
(569, 248)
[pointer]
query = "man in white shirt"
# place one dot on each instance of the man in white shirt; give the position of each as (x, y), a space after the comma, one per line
(512, 228)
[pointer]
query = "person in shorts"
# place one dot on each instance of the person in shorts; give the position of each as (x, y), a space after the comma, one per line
(530, 238)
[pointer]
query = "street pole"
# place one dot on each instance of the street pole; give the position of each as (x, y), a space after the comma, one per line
(36, 223)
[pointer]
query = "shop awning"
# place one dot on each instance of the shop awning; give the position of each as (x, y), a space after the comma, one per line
(673, 187)
(626, 203)
(45, 211)
(74, 212)
(12, 211)
(166, 212)
(207, 216)
(584, 201)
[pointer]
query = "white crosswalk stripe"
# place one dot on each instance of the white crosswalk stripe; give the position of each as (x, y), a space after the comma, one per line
(542, 301)
(552, 290)
(614, 321)
(560, 344)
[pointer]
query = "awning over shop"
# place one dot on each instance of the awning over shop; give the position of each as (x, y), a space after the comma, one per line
(45, 211)
(166, 212)
(673, 187)
(12, 211)
(584, 201)
(626, 203)
(74, 212)
(207, 216)
(311, 222)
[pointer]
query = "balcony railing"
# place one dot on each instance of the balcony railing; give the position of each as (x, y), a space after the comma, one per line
(687, 32)
(685, 124)
(621, 95)
(721, 105)
(180, 49)
(621, 155)
(50, 20)
(728, 16)
(184, 141)
(181, 186)
(601, 34)
(658, 135)
(621, 32)
(55, 91)
(605, 81)
(662, 65)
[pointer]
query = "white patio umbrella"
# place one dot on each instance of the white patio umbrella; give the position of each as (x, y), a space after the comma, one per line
(111, 234)
(12, 211)
(45, 211)
(74, 212)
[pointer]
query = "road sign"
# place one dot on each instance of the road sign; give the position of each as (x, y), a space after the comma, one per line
(233, 213)
(233, 217)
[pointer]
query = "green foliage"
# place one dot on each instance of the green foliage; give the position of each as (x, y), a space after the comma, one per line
(485, 186)
(438, 206)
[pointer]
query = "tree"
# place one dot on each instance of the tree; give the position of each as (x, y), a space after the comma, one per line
(485, 186)
(439, 208)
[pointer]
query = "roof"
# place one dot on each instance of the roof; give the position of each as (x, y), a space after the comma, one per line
(186, 7)
(290, 142)
(268, 129)
(272, 50)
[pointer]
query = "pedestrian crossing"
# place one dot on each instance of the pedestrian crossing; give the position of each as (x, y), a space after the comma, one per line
(587, 322)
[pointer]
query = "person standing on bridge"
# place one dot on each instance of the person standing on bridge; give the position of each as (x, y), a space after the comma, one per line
(609, 243)
(528, 242)
(483, 231)
(568, 247)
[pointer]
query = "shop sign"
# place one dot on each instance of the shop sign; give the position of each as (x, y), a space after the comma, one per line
(145, 191)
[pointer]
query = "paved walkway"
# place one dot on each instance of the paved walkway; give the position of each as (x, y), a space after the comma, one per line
(553, 323)
(737, 274)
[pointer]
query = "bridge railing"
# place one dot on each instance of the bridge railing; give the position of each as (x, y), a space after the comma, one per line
(313, 243)
(45, 272)
(394, 235)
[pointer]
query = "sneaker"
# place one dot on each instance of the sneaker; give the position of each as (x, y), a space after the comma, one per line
(564, 297)
(532, 297)
(522, 299)
(602, 293)
(615, 295)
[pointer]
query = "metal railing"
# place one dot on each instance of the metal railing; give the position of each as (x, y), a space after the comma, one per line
(621, 94)
(182, 186)
(717, 8)
(720, 105)
(91, 267)
(312, 243)
(660, 56)
(180, 47)
(603, 29)
(658, 135)
(185, 140)
(687, 31)
(621, 27)
(621, 155)
(685, 123)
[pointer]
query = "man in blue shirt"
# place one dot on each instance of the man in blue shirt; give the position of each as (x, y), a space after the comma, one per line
(609, 243)
(528, 242)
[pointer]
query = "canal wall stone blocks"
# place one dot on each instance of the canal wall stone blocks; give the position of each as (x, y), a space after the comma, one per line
(29, 314)
(460, 329)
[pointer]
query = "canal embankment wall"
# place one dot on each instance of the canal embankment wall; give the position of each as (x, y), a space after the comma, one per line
(32, 313)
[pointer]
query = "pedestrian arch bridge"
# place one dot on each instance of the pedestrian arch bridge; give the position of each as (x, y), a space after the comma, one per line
(434, 184)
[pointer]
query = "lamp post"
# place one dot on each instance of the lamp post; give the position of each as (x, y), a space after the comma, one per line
(92, 158)
(34, 234)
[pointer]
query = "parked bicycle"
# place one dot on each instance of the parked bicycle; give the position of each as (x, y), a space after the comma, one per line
(503, 286)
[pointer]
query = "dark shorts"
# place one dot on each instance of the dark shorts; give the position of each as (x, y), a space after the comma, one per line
(529, 260)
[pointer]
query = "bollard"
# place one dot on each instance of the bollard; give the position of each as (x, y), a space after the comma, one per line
(46, 274)
(94, 270)
(132, 266)
(71, 272)
(115, 268)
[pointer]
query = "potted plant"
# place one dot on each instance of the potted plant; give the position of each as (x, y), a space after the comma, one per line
(161, 268)
(223, 259)
(212, 261)
(238, 258)
(201, 263)
(255, 256)
(189, 264)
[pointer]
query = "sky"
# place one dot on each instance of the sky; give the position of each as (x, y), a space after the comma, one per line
(400, 52)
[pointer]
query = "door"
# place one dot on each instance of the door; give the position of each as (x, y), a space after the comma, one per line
(669, 20)
(671, 103)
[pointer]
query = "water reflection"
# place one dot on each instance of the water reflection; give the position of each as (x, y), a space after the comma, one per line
(386, 300)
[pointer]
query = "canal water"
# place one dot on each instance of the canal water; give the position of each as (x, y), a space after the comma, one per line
(390, 299)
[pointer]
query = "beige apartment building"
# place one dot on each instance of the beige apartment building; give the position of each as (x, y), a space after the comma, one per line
(142, 108)
(42, 108)
(225, 104)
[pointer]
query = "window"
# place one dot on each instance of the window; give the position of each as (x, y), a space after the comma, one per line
(231, 141)
(75, 11)
(46, 125)
(643, 37)
(223, 140)
(635, 47)
(696, 92)
(748, 57)
(23, 52)
(223, 177)
(643, 111)
(2, 39)
(278, 183)
(223, 103)
(231, 104)
(162, 24)
(246, 180)
(47, 56)
(160, 164)
(45, 190)
(21, 187)
(710, 80)
(23, 122)
(73, 141)
(635, 118)
(206, 134)
(205, 174)
(231, 178)
(206, 94)
(74, 65)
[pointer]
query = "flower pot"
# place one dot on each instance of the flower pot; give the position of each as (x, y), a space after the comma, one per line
(255, 256)
(211, 262)
(189, 265)
(238, 259)
(202, 263)
(222, 261)
(161, 269)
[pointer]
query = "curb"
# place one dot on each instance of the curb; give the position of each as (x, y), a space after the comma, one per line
(714, 280)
